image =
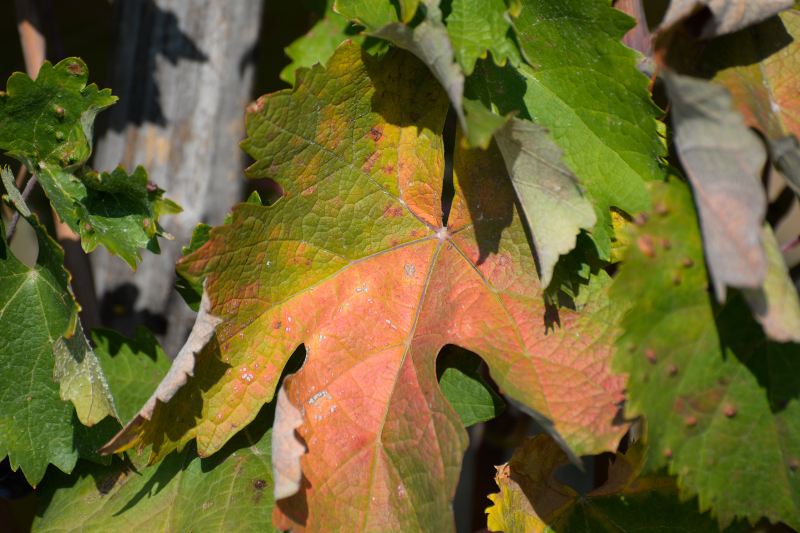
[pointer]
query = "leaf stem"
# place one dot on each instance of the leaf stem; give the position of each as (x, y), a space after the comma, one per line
(15, 218)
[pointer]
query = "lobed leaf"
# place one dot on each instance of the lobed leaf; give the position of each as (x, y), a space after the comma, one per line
(477, 27)
(722, 402)
(37, 312)
(115, 209)
(356, 264)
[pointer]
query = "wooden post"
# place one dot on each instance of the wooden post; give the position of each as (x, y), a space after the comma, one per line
(183, 71)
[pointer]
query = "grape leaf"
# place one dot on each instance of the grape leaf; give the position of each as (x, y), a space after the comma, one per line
(477, 27)
(231, 491)
(114, 209)
(465, 388)
(533, 498)
(81, 379)
(552, 200)
(355, 263)
(722, 402)
(723, 160)
(36, 310)
(583, 86)
(318, 44)
(133, 367)
(727, 15)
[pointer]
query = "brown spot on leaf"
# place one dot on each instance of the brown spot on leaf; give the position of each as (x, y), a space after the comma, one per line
(645, 244)
(666, 244)
(690, 421)
(650, 354)
(388, 169)
(255, 107)
(376, 134)
(640, 219)
(687, 262)
(75, 69)
(729, 410)
(668, 453)
(661, 209)
(259, 484)
(794, 464)
(672, 370)
(676, 278)
(277, 324)
(309, 190)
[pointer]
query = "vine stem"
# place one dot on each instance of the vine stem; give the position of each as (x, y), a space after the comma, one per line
(15, 218)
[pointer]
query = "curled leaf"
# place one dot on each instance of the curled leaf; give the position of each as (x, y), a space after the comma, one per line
(723, 160)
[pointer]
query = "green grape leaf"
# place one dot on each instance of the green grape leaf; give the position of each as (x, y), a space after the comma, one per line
(36, 310)
(465, 388)
(318, 44)
(231, 491)
(117, 210)
(133, 367)
(81, 379)
(722, 402)
(477, 27)
(582, 84)
(553, 202)
(356, 264)
(62, 107)
(533, 498)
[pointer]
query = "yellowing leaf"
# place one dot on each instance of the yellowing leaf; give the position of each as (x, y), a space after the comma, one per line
(355, 262)
(532, 497)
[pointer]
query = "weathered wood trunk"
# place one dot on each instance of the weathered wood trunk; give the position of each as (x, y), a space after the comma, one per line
(183, 70)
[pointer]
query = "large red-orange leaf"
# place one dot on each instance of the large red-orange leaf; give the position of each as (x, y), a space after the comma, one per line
(354, 262)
